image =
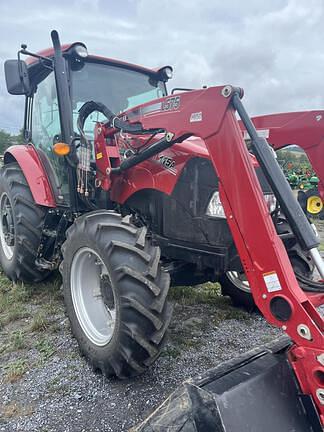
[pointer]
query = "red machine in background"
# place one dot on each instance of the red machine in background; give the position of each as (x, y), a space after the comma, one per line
(304, 129)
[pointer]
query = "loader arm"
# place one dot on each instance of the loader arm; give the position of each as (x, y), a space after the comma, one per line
(211, 115)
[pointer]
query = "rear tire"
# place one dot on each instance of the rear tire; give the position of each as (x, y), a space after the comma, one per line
(21, 224)
(240, 293)
(242, 297)
(133, 296)
(314, 193)
(231, 288)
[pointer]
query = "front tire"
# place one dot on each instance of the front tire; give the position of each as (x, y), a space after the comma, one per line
(21, 224)
(115, 293)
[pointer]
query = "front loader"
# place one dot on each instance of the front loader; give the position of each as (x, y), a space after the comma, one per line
(125, 187)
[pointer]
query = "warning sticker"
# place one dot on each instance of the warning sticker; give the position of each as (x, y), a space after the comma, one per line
(272, 281)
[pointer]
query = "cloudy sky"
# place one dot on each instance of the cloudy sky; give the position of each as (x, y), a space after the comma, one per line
(274, 49)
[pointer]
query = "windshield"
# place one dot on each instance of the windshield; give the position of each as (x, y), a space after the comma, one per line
(116, 87)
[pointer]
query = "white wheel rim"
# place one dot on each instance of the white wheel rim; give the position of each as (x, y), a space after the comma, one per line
(239, 280)
(5, 207)
(89, 281)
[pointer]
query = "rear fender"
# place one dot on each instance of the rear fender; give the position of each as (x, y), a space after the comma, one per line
(27, 158)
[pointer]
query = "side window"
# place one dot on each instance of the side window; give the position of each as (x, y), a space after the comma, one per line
(46, 120)
(46, 129)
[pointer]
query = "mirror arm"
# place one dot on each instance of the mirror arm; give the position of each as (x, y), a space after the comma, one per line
(24, 51)
(21, 75)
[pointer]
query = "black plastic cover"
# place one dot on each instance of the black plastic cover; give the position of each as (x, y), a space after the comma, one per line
(253, 393)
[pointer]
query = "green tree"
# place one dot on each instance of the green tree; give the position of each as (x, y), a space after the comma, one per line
(5, 141)
(18, 139)
(304, 159)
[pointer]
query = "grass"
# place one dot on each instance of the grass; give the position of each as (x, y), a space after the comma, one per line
(13, 299)
(17, 340)
(40, 322)
(26, 313)
(13, 313)
(233, 313)
(207, 293)
(45, 349)
(15, 370)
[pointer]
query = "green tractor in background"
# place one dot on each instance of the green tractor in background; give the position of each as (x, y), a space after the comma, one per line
(293, 180)
(308, 182)
(302, 178)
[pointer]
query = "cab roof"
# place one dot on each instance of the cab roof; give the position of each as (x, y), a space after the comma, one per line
(49, 52)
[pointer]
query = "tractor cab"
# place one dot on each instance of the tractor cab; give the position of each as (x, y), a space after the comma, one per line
(116, 84)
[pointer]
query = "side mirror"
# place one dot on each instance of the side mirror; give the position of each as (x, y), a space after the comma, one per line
(17, 78)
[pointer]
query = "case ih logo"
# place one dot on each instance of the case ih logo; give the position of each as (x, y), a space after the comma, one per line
(172, 103)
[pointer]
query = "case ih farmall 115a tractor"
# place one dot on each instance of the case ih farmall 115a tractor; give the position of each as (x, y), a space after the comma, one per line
(126, 187)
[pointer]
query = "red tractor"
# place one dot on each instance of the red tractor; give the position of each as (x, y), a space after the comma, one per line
(125, 188)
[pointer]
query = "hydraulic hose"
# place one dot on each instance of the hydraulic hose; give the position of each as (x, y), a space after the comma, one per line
(113, 120)
(309, 284)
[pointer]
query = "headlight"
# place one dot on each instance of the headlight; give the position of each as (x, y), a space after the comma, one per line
(215, 207)
(80, 50)
(271, 202)
(166, 73)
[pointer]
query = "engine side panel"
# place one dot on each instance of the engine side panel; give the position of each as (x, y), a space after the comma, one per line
(161, 172)
(179, 221)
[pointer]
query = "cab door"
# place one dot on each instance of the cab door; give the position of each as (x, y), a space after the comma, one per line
(45, 132)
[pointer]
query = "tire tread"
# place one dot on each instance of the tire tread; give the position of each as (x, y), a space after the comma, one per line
(142, 287)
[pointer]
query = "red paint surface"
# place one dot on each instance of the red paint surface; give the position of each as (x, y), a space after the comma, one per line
(30, 164)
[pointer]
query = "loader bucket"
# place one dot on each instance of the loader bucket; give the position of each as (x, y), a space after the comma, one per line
(253, 393)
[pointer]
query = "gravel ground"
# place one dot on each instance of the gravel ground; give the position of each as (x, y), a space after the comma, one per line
(51, 388)
(61, 392)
